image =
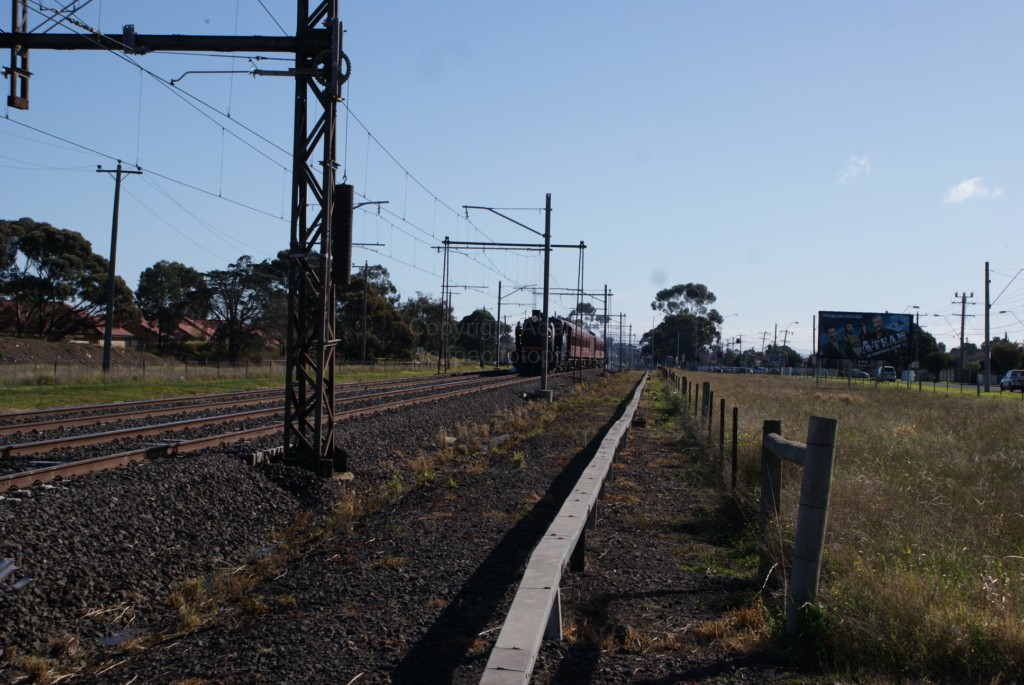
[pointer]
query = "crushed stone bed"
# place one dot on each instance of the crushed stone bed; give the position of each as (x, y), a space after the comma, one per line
(413, 592)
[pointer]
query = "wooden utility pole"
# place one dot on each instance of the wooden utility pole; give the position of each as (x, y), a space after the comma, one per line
(108, 329)
(963, 314)
(321, 68)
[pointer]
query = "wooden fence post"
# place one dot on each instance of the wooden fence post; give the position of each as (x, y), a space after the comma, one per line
(710, 396)
(771, 477)
(685, 404)
(721, 428)
(735, 442)
(811, 519)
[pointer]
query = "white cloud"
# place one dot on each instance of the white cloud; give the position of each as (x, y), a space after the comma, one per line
(969, 189)
(855, 166)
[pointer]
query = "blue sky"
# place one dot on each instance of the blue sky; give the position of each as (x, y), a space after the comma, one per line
(795, 157)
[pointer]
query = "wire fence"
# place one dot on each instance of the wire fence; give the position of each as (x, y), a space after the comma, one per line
(65, 372)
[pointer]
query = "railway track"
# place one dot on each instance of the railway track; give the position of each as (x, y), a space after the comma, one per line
(436, 543)
(42, 420)
(40, 461)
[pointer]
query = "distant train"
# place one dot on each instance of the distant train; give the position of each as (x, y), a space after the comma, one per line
(570, 346)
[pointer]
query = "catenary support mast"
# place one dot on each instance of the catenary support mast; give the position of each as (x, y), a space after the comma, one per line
(320, 70)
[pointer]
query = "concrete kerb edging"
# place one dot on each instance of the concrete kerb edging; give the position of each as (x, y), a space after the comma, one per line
(536, 611)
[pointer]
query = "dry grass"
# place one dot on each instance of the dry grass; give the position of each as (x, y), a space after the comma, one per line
(742, 630)
(38, 669)
(390, 561)
(738, 631)
(923, 573)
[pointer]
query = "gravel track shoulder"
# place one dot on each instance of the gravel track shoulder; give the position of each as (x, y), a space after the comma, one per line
(412, 591)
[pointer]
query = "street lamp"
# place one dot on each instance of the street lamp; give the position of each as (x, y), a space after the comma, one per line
(1007, 311)
(786, 331)
(775, 340)
(946, 319)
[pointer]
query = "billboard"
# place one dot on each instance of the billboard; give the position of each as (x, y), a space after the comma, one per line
(864, 336)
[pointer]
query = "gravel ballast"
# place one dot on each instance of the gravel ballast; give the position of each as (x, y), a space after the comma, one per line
(402, 574)
(101, 556)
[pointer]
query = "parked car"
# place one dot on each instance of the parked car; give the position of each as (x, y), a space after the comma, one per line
(1013, 380)
(860, 373)
(886, 374)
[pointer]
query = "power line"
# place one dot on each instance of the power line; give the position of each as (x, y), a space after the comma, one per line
(158, 217)
(219, 196)
(61, 139)
(222, 235)
(179, 92)
(197, 103)
(148, 170)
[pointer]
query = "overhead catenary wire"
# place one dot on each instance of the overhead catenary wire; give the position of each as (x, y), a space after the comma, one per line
(227, 115)
(56, 22)
(182, 93)
(406, 171)
(54, 18)
(406, 224)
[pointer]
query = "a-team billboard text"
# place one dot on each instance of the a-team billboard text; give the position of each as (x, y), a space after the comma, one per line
(864, 335)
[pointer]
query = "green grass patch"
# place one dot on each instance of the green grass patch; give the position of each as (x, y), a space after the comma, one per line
(28, 397)
(102, 391)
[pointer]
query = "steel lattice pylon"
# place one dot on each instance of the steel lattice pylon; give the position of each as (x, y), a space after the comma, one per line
(320, 70)
(309, 388)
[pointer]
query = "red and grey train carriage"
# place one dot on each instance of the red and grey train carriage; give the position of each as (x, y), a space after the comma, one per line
(570, 345)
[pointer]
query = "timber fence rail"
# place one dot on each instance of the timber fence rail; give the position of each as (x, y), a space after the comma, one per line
(536, 611)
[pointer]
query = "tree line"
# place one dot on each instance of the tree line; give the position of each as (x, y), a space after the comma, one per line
(691, 329)
(54, 287)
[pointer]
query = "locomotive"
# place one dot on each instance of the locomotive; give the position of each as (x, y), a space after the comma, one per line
(570, 346)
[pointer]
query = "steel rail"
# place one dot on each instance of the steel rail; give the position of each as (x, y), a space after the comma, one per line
(43, 426)
(49, 474)
(37, 446)
(134, 407)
